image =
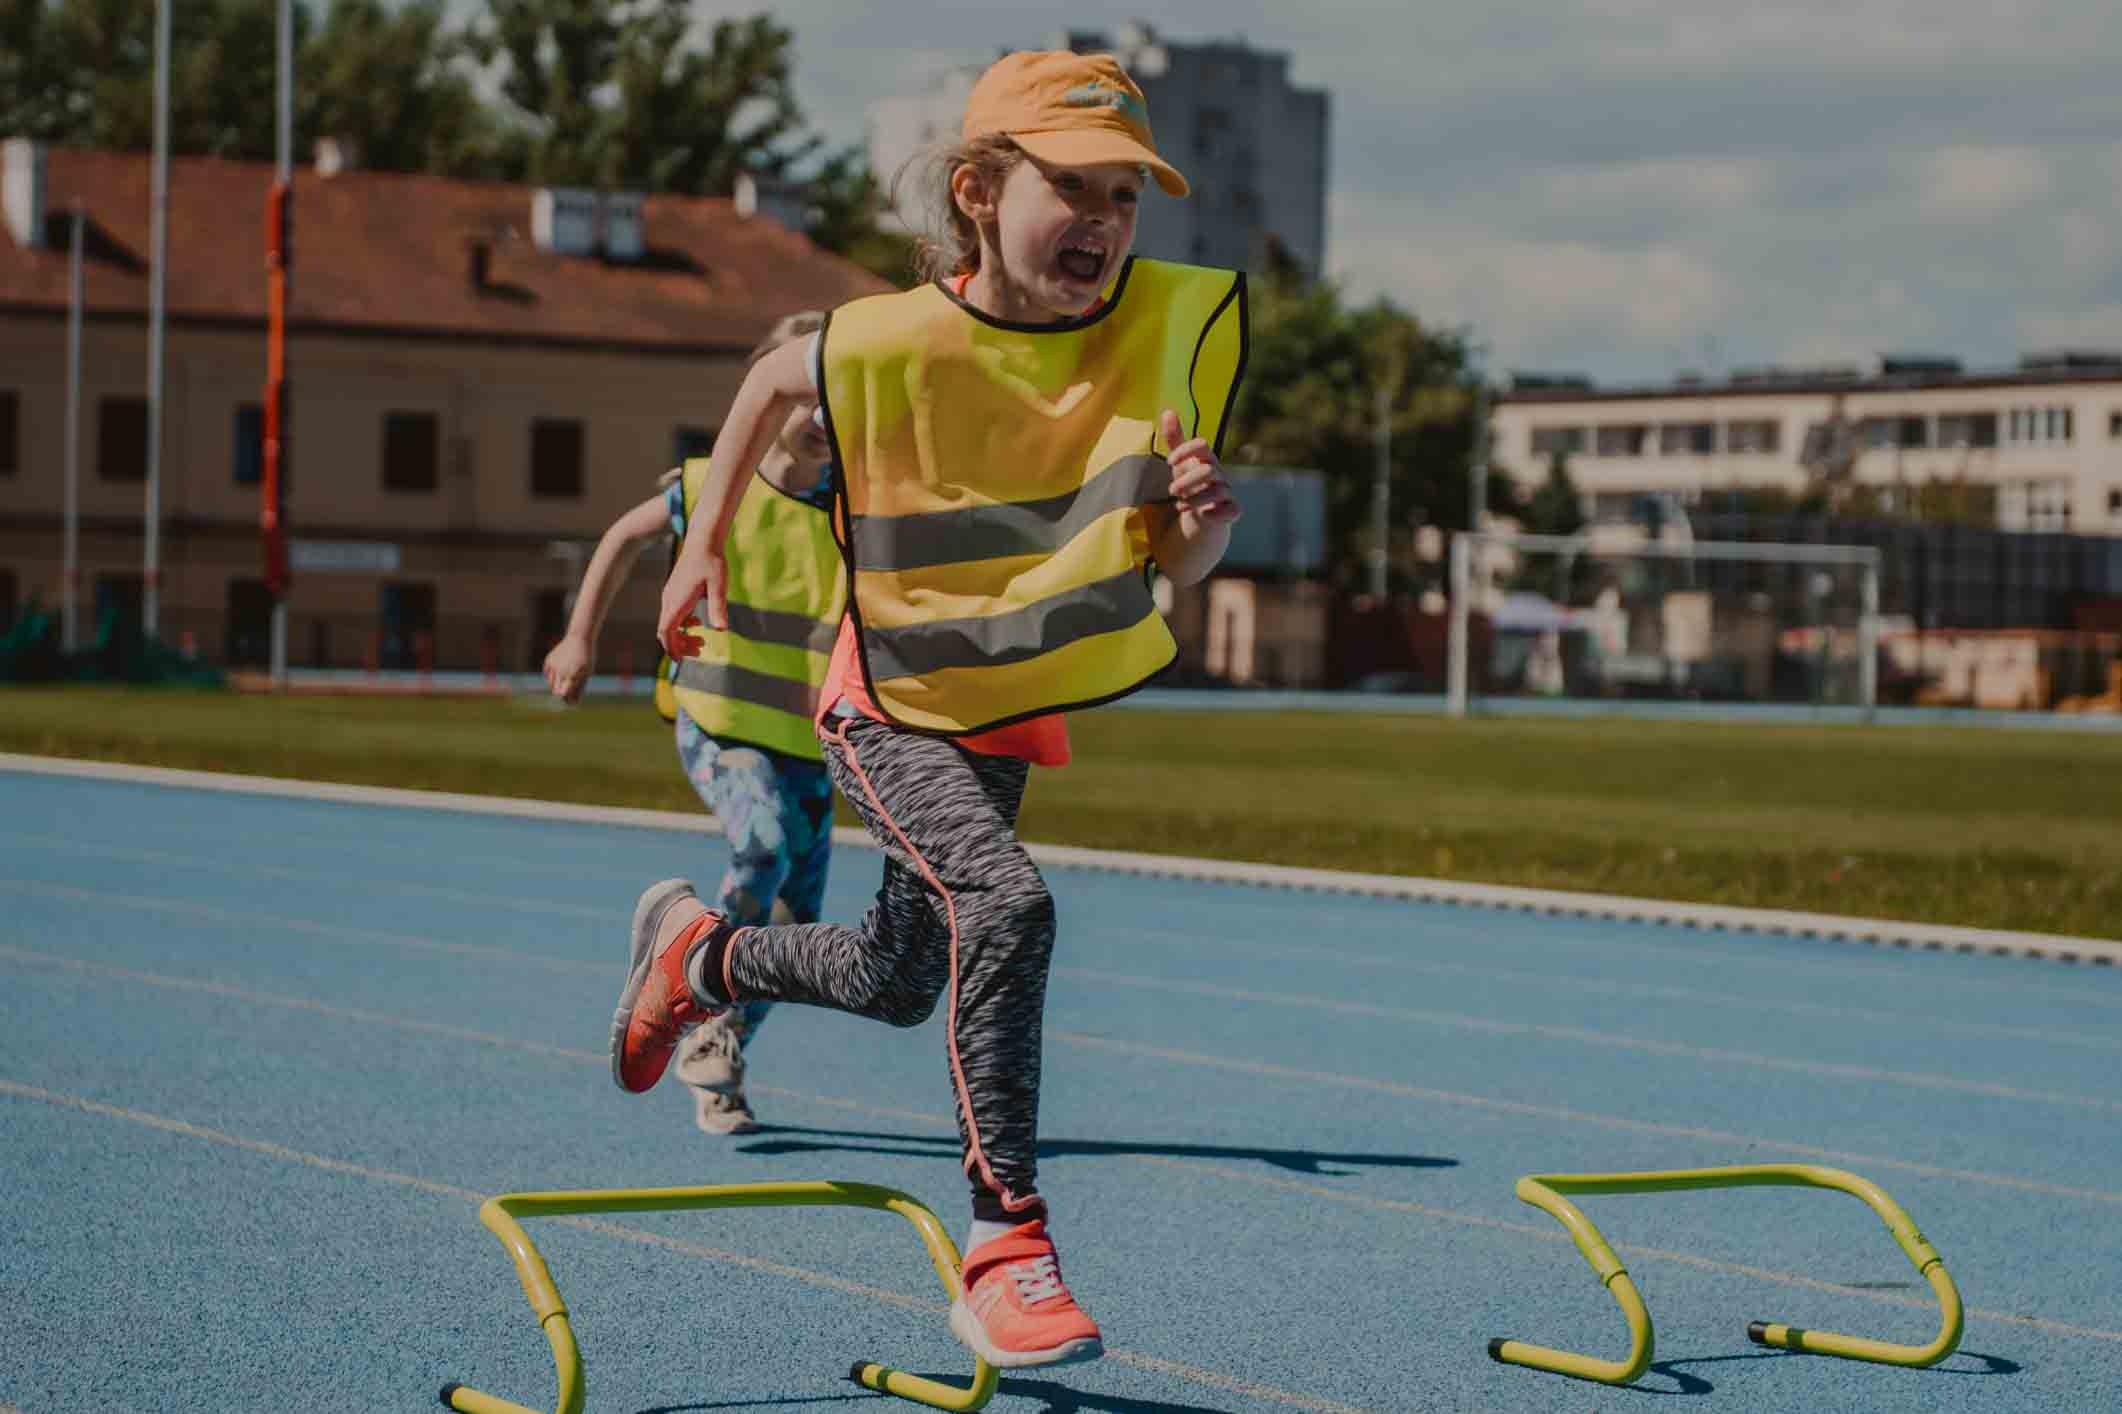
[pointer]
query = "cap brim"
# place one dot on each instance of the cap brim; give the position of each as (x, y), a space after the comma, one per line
(1078, 147)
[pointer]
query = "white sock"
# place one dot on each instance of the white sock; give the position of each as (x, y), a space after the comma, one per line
(984, 1231)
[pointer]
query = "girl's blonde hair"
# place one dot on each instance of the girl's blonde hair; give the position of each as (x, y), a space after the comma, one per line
(792, 326)
(951, 246)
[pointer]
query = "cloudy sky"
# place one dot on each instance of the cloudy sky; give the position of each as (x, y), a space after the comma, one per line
(1630, 188)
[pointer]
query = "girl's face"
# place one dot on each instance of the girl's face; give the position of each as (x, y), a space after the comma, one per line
(1057, 235)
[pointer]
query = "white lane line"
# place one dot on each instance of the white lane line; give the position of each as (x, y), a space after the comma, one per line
(546, 908)
(1580, 1035)
(1554, 1113)
(1552, 1233)
(825, 1280)
(1483, 1102)
(1572, 982)
(1577, 1035)
(250, 868)
(1212, 1379)
(249, 922)
(1928, 937)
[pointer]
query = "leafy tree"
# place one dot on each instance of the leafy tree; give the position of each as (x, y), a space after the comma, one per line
(600, 92)
(849, 200)
(1555, 508)
(389, 81)
(1310, 399)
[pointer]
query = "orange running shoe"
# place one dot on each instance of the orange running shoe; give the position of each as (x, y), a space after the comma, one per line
(1016, 1311)
(657, 1004)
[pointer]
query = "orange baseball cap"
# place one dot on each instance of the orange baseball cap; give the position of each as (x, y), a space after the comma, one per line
(1071, 109)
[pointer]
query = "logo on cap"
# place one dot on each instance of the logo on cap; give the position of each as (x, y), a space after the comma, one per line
(1098, 94)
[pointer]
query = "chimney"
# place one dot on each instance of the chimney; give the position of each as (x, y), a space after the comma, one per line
(22, 162)
(333, 155)
(779, 200)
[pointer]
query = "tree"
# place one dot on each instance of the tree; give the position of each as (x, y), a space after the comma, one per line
(390, 83)
(600, 92)
(1310, 400)
(1555, 508)
(848, 202)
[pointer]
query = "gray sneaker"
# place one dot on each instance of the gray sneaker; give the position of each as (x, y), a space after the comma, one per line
(723, 1112)
(711, 1057)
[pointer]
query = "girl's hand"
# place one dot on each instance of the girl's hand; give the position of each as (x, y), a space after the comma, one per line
(1199, 487)
(567, 667)
(694, 578)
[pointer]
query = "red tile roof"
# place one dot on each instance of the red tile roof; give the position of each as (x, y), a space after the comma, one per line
(388, 252)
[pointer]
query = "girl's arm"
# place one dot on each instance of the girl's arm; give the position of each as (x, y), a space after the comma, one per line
(572, 659)
(1187, 537)
(774, 384)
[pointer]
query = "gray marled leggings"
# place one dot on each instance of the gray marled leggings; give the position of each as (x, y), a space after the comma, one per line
(963, 917)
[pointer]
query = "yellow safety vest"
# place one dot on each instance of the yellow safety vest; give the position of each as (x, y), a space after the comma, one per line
(758, 680)
(992, 483)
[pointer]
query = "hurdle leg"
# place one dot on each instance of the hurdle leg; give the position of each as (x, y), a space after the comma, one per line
(501, 1215)
(1546, 1192)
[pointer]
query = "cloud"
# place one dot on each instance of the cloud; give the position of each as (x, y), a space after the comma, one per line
(1630, 186)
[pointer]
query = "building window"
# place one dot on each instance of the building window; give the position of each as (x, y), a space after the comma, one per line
(556, 458)
(2114, 501)
(1756, 435)
(247, 450)
(120, 599)
(10, 432)
(548, 622)
(250, 623)
(1967, 429)
(1621, 440)
(2114, 426)
(408, 614)
(1687, 439)
(1912, 432)
(412, 450)
(689, 442)
(2034, 505)
(2050, 424)
(121, 439)
(1558, 441)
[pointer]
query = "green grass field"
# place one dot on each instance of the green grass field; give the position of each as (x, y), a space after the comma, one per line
(1998, 829)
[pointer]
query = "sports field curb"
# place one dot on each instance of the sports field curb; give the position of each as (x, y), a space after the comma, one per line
(1881, 932)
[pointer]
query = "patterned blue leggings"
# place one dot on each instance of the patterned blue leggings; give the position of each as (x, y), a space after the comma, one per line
(777, 814)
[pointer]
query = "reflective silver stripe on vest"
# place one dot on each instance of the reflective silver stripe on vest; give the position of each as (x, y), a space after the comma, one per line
(746, 685)
(778, 627)
(926, 538)
(1103, 607)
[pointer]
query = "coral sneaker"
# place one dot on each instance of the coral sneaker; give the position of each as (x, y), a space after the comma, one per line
(657, 1003)
(1016, 1311)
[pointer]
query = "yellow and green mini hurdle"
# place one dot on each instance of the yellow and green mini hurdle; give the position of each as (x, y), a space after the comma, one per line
(1545, 1192)
(501, 1215)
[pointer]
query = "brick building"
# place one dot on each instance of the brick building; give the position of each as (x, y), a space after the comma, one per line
(483, 377)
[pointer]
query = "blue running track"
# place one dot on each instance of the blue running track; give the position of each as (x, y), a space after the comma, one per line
(261, 1057)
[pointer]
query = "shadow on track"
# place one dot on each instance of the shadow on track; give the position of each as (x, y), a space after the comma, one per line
(781, 1139)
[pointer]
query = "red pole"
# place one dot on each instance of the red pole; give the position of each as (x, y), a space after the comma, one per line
(279, 259)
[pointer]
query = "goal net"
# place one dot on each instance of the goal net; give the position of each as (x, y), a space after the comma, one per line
(1609, 614)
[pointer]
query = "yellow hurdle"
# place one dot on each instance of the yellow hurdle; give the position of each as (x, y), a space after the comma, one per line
(1545, 1192)
(500, 1214)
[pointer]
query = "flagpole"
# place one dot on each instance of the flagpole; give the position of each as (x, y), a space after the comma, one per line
(157, 289)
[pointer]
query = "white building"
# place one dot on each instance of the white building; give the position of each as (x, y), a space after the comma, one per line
(2046, 435)
(1253, 147)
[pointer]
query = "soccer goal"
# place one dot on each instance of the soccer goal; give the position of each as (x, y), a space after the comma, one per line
(1609, 615)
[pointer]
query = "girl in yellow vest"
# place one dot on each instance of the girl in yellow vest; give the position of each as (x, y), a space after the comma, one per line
(1013, 445)
(743, 703)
